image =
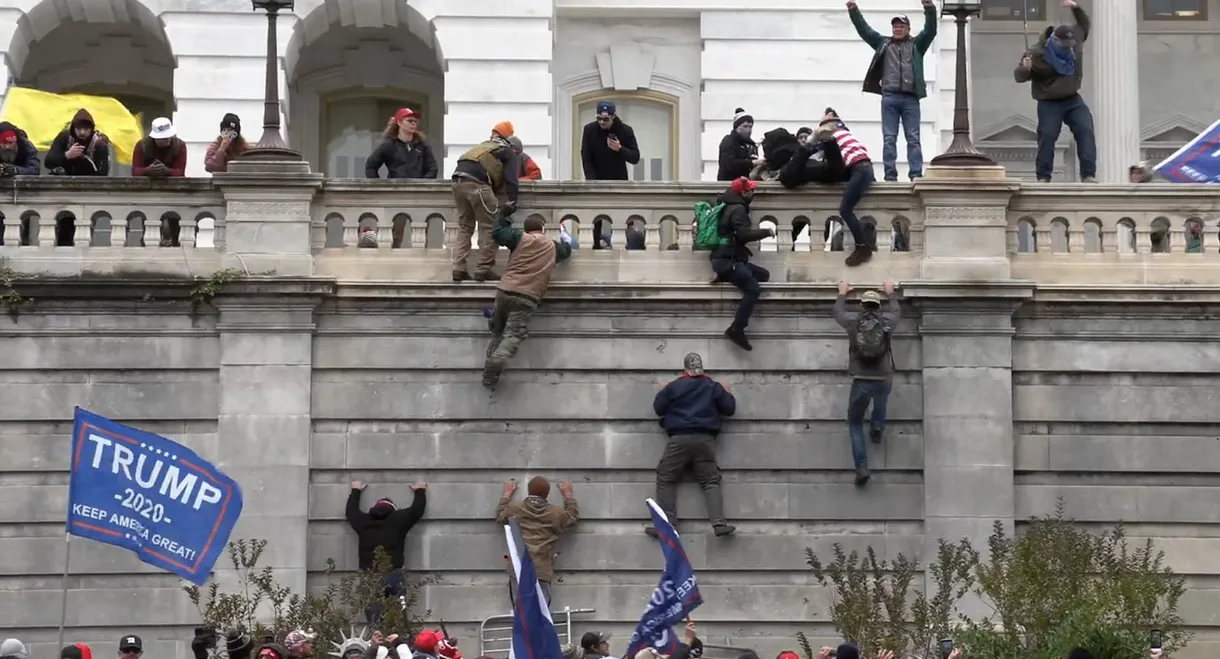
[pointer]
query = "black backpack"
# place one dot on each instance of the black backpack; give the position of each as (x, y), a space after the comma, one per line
(871, 340)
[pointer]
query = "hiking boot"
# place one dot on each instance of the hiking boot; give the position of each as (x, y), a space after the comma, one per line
(723, 530)
(738, 337)
(874, 435)
(486, 276)
(859, 256)
(460, 275)
(491, 372)
(651, 531)
(862, 476)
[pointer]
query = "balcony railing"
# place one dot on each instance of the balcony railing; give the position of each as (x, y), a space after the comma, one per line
(1071, 234)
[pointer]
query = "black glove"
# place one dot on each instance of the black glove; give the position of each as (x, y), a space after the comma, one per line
(238, 644)
(508, 208)
(696, 648)
(205, 640)
(8, 170)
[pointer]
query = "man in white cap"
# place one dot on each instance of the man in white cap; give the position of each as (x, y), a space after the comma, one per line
(870, 363)
(12, 648)
(161, 154)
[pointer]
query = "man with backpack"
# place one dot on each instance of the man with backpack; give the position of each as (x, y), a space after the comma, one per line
(870, 363)
(725, 229)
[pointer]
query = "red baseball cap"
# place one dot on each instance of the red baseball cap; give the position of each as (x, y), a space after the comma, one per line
(403, 113)
(427, 641)
(743, 185)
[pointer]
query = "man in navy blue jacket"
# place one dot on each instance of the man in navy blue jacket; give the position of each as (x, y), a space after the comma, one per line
(691, 409)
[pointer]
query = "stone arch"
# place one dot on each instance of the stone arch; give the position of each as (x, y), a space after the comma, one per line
(1060, 235)
(351, 62)
(116, 48)
(1094, 242)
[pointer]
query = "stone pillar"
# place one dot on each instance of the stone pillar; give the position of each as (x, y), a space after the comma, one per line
(965, 225)
(267, 225)
(1114, 64)
(263, 427)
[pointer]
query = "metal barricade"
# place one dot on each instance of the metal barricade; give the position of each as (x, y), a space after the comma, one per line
(496, 632)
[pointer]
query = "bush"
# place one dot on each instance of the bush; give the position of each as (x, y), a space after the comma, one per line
(1054, 588)
(265, 607)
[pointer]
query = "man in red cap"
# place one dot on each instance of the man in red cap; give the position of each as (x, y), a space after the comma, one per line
(731, 261)
(403, 152)
(384, 526)
(426, 644)
(18, 155)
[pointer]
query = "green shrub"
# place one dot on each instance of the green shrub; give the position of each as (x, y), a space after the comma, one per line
(265, 607)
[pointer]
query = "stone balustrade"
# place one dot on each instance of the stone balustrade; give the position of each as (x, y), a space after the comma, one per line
(1048, 233)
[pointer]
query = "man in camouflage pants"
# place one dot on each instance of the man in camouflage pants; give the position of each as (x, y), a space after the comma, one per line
(526, 277)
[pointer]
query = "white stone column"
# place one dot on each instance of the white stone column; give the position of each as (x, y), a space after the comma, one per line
(1111, 60)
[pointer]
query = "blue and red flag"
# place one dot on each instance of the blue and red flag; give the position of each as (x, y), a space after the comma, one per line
(675, 597)
(534, 634)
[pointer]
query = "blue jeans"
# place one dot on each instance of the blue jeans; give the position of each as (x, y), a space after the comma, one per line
(902, 108)
(1052, 115)
(862, 393)
(746, 277)
(859, 180)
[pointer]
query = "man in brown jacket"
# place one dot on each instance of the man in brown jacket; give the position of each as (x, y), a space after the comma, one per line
(541, 523)
(531, 261)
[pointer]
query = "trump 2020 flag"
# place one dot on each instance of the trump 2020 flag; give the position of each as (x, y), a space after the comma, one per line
(675, 597)
(154, 496)
(534, 634)
(1197, 162)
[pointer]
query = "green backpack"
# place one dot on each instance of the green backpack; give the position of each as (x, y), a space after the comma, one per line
(707, 226)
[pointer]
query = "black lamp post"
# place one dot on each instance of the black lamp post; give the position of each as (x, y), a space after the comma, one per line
(271, 146)
(961, 151)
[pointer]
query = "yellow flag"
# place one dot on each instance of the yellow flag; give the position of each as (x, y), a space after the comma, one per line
(43, 116)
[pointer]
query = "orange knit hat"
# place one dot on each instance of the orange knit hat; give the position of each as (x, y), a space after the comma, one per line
(504, 129)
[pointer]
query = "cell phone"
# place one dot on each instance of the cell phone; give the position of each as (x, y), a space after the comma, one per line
(613, 136)
(946, 647)
(1155, 641)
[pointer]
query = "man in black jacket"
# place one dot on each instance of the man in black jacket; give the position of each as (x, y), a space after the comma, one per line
(80, 149)
(385, 526)
(731, 261)
(691, 408)
(607, 146)
(738, 152)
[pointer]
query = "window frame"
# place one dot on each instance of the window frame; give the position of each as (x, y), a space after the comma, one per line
(1149, 16)
(400, 95)
(578, 123)
(1040, 6)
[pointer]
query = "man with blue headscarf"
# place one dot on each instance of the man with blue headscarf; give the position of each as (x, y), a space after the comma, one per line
(1054, 71)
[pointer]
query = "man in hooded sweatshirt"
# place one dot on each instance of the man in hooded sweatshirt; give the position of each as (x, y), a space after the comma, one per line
(692, 409)
(731, 261)
(541, 523)
(80, 149)
(607, 146)
(385, 526)
(18, 155)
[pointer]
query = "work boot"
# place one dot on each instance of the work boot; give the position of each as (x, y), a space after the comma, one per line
(859, 256)
(460, 275)
(723, 530)
(738, 337)
(486, 276)
(492, 369)
(862, 476)
(874, 435)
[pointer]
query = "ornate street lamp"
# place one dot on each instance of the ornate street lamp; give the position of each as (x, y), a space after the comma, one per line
(271, 146)
(961, 151)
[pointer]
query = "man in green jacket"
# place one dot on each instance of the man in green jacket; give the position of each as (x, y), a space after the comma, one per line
(531, 262)
(896, 74)
(1053, 68)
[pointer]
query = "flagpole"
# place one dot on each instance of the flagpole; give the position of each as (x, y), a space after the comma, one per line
(63, 605)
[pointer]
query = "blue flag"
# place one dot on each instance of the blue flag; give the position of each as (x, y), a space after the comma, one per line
(534, 634)
(675, 597)
(143, 492)
(1197, 162)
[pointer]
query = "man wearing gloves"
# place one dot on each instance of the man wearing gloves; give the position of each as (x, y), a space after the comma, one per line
(385, 526)
(531, 263)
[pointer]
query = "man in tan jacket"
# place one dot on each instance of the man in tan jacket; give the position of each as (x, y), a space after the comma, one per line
(541, 523)
(531, 262)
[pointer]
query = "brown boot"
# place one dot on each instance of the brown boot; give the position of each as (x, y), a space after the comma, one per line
(859, 256)
(460, 275)
(486, 276)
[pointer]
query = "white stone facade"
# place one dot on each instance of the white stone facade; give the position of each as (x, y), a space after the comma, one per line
(677, 69)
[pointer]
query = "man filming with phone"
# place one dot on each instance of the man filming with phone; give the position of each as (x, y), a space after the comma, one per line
(607, 146)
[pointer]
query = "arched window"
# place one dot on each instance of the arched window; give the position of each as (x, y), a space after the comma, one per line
(353, 123)
(654, 118)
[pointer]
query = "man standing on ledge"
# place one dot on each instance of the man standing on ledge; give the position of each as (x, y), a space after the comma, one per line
(485, 181)
(607, 146)
(531, 262)
(1053, 69)
(896, 73)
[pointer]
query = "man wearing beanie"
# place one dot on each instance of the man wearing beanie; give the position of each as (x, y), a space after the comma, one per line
(1053, 69)
(896, 74)
(731, 260)
(532, 258)
(607, 146)
(384, 526)
(485, 181)
(738, 153)
(691, 409)
(228, 145)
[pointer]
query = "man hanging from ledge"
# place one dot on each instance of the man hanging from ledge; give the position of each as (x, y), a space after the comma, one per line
(531, 262)
(541, 523)
(385, 526)
(484, 181)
